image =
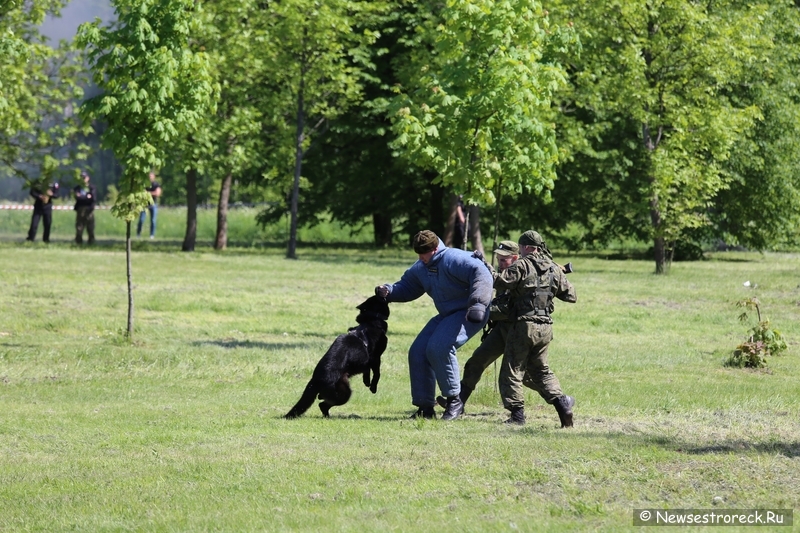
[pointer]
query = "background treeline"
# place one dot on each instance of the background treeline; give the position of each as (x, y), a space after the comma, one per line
(673, 122)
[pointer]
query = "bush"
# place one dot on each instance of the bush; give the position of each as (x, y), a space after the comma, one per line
(762, 341)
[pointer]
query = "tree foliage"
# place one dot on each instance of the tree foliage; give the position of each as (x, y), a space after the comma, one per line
(153, 88)
(476, 106)
(761, 206)
(317, 60)
(39, 86)
(649, 116)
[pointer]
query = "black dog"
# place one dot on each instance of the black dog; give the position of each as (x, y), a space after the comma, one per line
(356, 352)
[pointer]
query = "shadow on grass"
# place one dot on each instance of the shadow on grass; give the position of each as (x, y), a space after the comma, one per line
(789, 449)
(314, 413)
(233, 343)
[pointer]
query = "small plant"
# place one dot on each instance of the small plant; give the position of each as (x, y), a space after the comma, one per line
(762, 340)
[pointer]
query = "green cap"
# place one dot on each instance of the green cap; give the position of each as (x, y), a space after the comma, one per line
(507, 248)
(531, 238)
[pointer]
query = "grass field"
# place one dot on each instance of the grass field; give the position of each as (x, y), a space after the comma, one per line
(181, 431)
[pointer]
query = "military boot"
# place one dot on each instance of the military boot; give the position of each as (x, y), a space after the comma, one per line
(563, 405)
(454, 409)
(424, 412)
(464, 395)
(517, 416)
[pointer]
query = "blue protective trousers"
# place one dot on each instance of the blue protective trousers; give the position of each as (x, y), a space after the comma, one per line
(432, 357)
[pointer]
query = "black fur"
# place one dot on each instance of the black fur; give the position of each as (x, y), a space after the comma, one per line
(356, 352)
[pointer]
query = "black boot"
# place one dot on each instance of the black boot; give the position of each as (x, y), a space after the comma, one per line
(563, 405)
(424, 412)
(517, 416)
(454, 409)
(464, 395)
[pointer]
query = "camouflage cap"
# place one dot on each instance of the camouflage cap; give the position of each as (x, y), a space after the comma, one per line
(425, 241)
(531, 238)
(507, 248)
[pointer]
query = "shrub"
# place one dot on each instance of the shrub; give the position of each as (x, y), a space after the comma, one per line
(762, 340)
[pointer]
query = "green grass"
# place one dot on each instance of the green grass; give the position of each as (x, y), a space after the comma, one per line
(181, 431)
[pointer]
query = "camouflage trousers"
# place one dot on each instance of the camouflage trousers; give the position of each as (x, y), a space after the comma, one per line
(491, 348)
(84, 218)
(525, 363)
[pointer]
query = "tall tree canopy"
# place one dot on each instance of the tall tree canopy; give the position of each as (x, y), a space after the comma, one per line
(476, 106)
(318, 58)
(761, 206)
(649, 118)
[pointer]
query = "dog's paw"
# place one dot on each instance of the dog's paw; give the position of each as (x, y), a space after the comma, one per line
(373, 389)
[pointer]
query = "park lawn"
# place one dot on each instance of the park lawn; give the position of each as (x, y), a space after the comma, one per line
(182, 430)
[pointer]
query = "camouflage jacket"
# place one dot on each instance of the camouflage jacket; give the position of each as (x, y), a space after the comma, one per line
(532, 283)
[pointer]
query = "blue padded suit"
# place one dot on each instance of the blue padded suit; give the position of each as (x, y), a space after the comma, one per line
(455, 280)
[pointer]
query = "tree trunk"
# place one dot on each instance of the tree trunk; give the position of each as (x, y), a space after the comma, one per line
(474, 227)
(221, 242)
(291, 253)
(659, 254)
(382, 229)
(191, 211)
(130, 278)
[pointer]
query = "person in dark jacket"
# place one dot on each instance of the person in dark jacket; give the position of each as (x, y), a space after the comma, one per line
(85, 197)
(42, 210)
(460, 285)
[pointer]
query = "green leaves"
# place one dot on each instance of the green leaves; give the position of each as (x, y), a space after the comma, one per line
(476, 107)
(650, 102)
(154, 88)
(762, 339)
(38, 85)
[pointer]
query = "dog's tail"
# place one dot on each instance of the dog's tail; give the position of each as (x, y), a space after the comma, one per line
(305, 401)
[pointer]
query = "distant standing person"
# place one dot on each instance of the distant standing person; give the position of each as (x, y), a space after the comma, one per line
(42, 210)
(85, 196)
(155, 191)
(460, 285)
(460, 225)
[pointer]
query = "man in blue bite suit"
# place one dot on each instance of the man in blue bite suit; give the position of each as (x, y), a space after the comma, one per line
(460, 285)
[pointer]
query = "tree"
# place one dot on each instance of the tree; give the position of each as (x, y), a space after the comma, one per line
(353, 175)
(38, 86)
(476, 108)
(761, 206)
(153, 89)
(648, 119)
(319, 61)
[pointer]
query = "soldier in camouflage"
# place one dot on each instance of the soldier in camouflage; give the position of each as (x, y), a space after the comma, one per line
(533, 282)
(492, 344)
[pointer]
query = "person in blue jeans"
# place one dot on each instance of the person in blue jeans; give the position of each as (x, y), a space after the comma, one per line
(460, 284)
(155, 191)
